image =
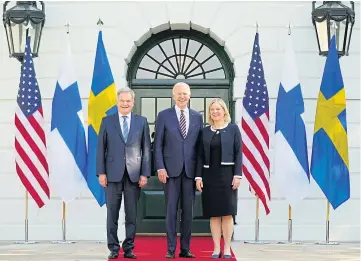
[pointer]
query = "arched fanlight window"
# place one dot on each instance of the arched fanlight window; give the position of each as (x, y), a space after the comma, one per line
(180, 57)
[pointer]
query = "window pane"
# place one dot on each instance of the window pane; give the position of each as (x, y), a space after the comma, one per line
(149, 63)
(163, 103)
(198, 105)
(204, 54)
(148, 109)
(216, 75)
(190, 65)
(212, 64)
(167, 47)
(164, 74)
(157, 54)
(196, 73)
(183, 45)
(193, 47)
(142, 74)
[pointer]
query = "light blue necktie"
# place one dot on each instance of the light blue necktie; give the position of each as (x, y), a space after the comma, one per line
(125, 128)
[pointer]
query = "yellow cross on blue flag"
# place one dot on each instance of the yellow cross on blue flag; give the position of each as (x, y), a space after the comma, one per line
(102, 102)
(329, 162)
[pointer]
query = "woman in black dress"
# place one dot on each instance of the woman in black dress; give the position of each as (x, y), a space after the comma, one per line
(219, 173)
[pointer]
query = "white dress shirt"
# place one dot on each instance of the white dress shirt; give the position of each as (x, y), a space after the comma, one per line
(186, 115)
(121, 120)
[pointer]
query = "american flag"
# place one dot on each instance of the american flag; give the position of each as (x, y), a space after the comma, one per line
(255, 138)
(30, 144)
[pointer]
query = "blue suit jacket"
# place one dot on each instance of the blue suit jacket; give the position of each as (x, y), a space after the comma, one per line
(114, 154)
(171, 150)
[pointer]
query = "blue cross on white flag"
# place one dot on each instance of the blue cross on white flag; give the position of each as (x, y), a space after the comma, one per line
(291, 170)
(68, 152)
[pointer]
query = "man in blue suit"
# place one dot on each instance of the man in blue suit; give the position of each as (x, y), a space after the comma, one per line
(123, 167)
(175, 146)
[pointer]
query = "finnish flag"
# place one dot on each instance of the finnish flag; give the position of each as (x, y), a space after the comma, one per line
(67, 148)
(291, 167)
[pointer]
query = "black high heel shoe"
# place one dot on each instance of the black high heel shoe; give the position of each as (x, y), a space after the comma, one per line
(215, 256)
(227, 256)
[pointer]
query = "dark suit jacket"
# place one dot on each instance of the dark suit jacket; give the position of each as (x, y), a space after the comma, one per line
(231, 148)
(114, 154)
(172, 151)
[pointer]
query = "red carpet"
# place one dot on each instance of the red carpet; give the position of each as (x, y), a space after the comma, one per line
(155, 249)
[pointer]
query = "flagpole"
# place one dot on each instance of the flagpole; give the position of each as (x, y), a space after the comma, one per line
(256, 237)
(26, 241)
(100, 24)
(327, 242)
(256, 240)
(289, 224)
(290, 228)
(328, 222)
(63, 220)
(63, 223)
(63, 226)
(26, 216)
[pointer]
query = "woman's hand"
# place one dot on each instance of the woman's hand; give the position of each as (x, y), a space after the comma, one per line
(199, 185)
(235, 183)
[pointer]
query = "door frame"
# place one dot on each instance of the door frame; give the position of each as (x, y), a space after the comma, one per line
(196, 85)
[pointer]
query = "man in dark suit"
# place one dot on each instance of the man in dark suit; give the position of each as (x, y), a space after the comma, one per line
(123, 167)
(175, 145)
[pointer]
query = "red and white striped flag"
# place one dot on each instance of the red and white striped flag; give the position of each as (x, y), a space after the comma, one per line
(30, 143)
(254, 129)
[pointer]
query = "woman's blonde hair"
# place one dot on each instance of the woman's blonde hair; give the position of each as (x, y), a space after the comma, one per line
(227, 117)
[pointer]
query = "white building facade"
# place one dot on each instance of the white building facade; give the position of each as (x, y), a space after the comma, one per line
(129, 29)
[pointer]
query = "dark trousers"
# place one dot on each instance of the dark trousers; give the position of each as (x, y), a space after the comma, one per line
(113, 194)
(181, 189)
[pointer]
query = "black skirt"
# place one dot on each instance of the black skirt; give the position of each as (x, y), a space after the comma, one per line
(218, 197)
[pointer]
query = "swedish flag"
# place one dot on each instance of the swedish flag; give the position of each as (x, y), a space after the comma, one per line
(329, 163)
(102, 102)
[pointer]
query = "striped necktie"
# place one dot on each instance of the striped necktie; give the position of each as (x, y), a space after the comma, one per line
(182, 123)
(125, 128)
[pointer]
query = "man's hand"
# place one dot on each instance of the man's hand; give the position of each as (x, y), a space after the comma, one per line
(199, 185)
(103, 180)
(235, 183)
(162, 176)
(142, 181)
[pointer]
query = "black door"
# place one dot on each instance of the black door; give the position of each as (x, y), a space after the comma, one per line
(152, 208)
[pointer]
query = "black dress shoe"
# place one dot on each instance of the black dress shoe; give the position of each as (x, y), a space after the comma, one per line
(129, 254)
(170, 255)
(113, 255)
(186, 254)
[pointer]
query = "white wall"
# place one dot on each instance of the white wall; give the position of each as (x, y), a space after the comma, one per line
(126, 26)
